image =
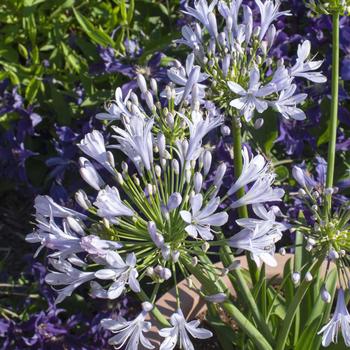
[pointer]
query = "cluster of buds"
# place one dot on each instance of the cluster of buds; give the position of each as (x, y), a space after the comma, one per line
(328, 234)
(329, 7)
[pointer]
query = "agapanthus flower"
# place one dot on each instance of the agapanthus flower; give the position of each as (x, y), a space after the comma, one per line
(115, 107)
(147, 224)
(304, 67)
(94, 146)
(110, 205)
(68, 276)
(129, 334)
(339, 321)
(269, 13)
(189, 78)
(121, 272)
(260, 241)
(253, 98)
(237, 57)
(200, 219)
(179, 333)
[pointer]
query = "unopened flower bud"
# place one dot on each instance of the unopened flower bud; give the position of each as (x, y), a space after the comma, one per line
(147, 306)
(216, 298)
(333, 255)
(174, 201)
(75, 225)
(125, 167)
(296, 277)
(207, 159)
(325, 295)
(258, 123)
(110, 158)
(149, 100)
(150, 271)
(158, 171)
(82, 199)
(154, 86)
(198, 182)
(225, 130)
(141, 82)
(301, 192)
(299, 176)
(205, 247)
(308, 276)
(176, 167)
(282, 251)
(329, 191)
(165, 274)
(148, 190)
(134, 98)
(119, 178)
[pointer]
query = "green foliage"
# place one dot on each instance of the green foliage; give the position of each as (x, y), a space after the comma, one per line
(48, 50)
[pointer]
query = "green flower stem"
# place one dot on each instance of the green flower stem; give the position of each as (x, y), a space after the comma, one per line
(238, 162)
(155, 311)
(334, 107)
(211, 288)
(238, 166)
(293, 307)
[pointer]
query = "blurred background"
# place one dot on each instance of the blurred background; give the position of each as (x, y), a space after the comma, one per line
(60, 61)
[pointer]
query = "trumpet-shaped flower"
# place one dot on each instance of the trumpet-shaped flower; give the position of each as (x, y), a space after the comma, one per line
(94, 146)
(261, 191)
(305, 67)
(46, 206)
(190, 38)
(253, 98)
(287, 103)
(121, 272)
(231, 12)
(260, 241)
(50, 235)
(339, 321)
(178, 334)
(200, 220)
(269, 13)
(201, 12)
(265, 217)
(129, 334)
(89, 174)
(69, 276)
(187, 78)
(110, 205)
(135, 141)
(199, 127)
(117, 107)
(253, 168)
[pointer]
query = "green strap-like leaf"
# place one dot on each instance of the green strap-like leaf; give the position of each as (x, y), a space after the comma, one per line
(96, 34)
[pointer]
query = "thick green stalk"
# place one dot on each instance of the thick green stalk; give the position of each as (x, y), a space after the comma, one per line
(238, 162)
(334, 106)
